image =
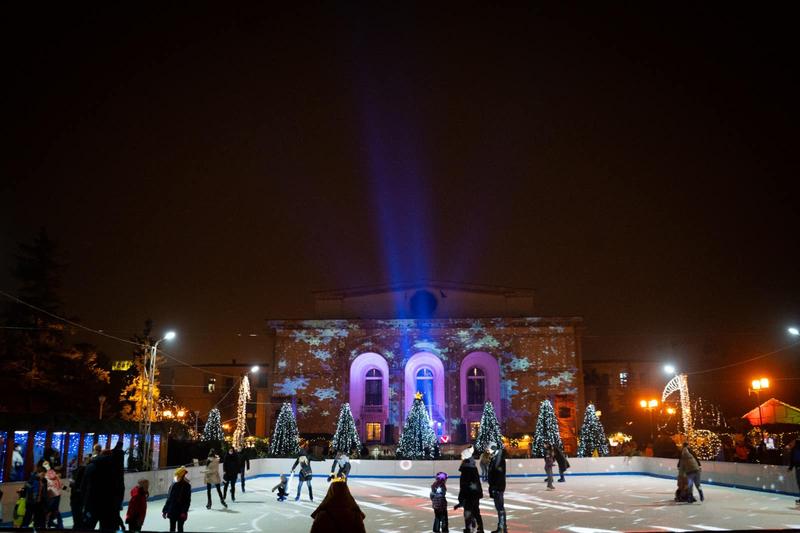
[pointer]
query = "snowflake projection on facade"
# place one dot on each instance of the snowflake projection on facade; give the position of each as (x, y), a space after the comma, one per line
(282, 364)
(508, 388)
(299, 336)
(290, 386)
(392, 392)
(428, 346)
(304, 409)
(487, 341)
(388, 354)
(562, 379)
(326, 394)
(322, 355)
(325, 413)
(518, 364)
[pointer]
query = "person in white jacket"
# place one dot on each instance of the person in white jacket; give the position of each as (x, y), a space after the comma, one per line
(211, 477)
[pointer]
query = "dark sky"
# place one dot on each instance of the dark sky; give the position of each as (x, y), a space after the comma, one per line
(209, 169)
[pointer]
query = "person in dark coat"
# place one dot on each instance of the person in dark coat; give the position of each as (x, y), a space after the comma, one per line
(230, 469)
(36, 499)
(343, 462)
(470, 491)
(179, 499)
(439, 503)
(76, 496)
(305, 474)
(338, 511)
(794, 464)
(563, 464)
(103, 489)
(497, 485)
(244, 464)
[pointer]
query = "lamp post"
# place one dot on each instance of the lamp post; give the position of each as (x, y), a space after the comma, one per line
(756, 386)
(649, 405)
(149, 371)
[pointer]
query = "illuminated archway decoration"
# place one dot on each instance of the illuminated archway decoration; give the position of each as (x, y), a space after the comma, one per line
(491, 370)
(358, 374)
(680, 383)
(425, 360)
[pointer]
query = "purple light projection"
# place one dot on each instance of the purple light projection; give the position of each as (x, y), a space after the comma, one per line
(358, 371)
(425, 360)
(491, 370)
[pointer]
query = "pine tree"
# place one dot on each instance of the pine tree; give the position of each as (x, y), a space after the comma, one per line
(418, 440)
(213, 428)
(489, 430)
(546, 429)
(346, 437)
(241, 414)
(285, 438)
(592, 436)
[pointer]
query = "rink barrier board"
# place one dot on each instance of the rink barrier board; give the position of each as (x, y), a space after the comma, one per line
(761, 478)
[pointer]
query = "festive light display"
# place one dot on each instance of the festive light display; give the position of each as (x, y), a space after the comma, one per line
(346, 437)
(705, 444)
(489, 430)
(241, 413)
(546, 429)
(592, 436)
(213, 428)
(615, 439)
(285, 438)
(680, 383)
(418, 440)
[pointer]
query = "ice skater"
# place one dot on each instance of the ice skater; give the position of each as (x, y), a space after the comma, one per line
(179, 500)
(230, 470)
(338, 511)
(497, 485)
(281, 488)
(549, 460)
(794, 464)
(211, 477)
(470, 491)
(439, 503)
(244, 463)
(563, 463)
(343, 462)
(689, 465)
(305, 474)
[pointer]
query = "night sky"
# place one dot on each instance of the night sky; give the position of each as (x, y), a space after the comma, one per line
(209, 169)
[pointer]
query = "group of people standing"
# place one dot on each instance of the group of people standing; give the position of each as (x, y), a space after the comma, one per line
(234, 466)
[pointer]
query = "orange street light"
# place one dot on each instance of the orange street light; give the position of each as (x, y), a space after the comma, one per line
(181, 413)
(671, 410)
(649, 405)
(757, 385)
(168, 413)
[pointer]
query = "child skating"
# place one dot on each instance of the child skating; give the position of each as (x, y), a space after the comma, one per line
(439, 502)
(281, 487)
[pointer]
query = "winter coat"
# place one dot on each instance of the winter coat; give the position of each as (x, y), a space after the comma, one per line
(35, 490)
(549, 458)
(305, 468)
(244, 461)
(211, 473)
(469, 485)
(794, 456)
(137, 507)
(230, 466)
(688, 463)
(53, 483)
(19, 512)
(179, 498)
(497, 472)
(103, 485)
(439, 495)
(75, 494)
(561, 459)
(338, 512)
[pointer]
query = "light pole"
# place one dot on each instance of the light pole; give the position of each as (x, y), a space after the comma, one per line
(756, 386)
(649, 405)
(149, 371)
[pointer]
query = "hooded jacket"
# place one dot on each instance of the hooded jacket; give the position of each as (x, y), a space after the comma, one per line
(338, 512)
(211, 473)
(497, 472)
(469, 485)
(230, 465)
(137, 506)
(179, 499)
(439, 495)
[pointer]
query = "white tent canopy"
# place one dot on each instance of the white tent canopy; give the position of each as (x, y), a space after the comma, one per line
(774, 412)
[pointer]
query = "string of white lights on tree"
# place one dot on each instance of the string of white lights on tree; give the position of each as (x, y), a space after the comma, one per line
(241, 413)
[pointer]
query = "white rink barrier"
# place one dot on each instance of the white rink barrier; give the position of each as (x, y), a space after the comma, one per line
(768, 478)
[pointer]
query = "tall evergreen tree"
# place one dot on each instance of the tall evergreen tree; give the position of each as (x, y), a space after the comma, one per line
(592, 436)
(213, 428)
(489, 430)
(346, 437)
(285, 438)
(546, 429)
(418, 440)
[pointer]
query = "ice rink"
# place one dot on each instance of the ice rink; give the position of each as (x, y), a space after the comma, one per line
(582, 504)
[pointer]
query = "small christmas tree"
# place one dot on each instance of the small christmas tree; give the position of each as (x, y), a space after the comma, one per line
(285, 437)
(546, 429)
(213, 428)
(592, 436)
(241, 414)
(418, 440)
(489, 430)
(346, 437)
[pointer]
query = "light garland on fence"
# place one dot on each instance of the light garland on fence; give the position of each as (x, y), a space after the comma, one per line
(241, 413)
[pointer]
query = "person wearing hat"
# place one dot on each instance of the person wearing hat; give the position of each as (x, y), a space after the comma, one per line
(439, 503)
(470, 491)
(338, 511)
(497, 484)
(179, 498)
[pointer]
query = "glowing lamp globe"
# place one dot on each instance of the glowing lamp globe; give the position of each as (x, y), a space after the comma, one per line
(169, 336)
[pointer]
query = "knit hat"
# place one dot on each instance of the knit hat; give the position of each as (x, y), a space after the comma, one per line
(467, 453)
(441, 476)
(180, 472)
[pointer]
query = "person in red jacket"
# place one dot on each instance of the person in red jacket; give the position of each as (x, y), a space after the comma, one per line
(137, 506)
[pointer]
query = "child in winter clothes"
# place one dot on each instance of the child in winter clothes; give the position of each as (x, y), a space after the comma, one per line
(549, 460)
(137, 506)
(281, 488)
(439, 501)
(19, 508)
(179, 499)
(53, 498)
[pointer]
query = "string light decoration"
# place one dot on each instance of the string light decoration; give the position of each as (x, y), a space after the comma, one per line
(546, 429)
(592, 436)
(418, 440)
(346, 437)
(241, 413)
(705, 444)
(680, 383)
(285, 438)
(489, 430)
(213, 428)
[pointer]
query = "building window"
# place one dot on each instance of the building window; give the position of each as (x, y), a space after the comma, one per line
(623, 379)
(476, 386)
(425, 384)
(373, 432)
(373, 389)
(473, 430)
(211, 385)
(564, 412)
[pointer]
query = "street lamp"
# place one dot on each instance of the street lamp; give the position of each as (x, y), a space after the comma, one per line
(649, 405)
(254, 369)
(756, 386)
(149, 371)
(793, 331)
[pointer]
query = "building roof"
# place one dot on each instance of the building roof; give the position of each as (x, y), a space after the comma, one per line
(420, 284)
(773, 411)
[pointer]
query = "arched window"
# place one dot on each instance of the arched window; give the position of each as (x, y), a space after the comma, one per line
(476, 386)
(424, 381)
(373, 387)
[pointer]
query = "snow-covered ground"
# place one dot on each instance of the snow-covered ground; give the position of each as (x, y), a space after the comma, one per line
(584, 504)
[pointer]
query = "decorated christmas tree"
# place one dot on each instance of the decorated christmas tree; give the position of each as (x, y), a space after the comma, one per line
(213, 428)
(241, 414)
(346, 437)
(592, 436)
(418, 440)
(546, 429)
(285, 437)
(489, 430)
